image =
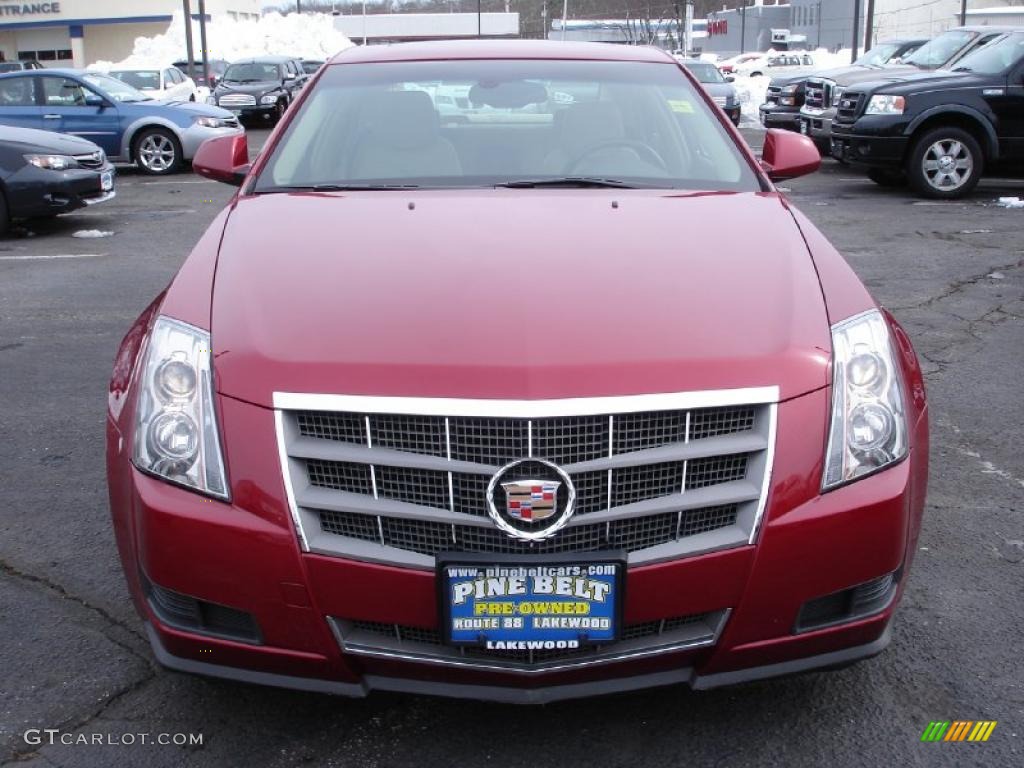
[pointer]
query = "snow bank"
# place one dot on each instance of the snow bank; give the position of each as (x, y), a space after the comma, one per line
(307, 35)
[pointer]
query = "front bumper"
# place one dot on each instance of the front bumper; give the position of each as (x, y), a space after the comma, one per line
(817, 124)
(35, 191)
(193, 136)
(780, 117)
(874, 141)
(245, 555)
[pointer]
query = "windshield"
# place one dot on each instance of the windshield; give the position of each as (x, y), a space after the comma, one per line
(877, 56)
(704, 72)
(250, 73)
(143, 79)
(519, 122)
(937, 52)
(10, 66)
(310, 67)
(994, 58)
(114, 88)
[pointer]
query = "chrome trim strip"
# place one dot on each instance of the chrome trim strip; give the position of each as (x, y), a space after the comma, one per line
(518, 668)
(293, 508)
(526, 409)
(769, 460)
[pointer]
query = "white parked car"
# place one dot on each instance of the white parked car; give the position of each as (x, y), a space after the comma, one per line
(772, 64)
(167, 82)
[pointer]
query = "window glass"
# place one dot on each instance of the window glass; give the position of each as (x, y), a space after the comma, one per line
(994, 58)
(481, 123)
(63, 92)
(143, 79)
(17, 92)
(251, 72)
(938, 51)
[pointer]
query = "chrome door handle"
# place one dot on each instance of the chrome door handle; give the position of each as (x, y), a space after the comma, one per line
(51, 117)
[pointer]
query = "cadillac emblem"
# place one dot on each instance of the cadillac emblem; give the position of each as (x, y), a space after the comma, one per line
(531, 499)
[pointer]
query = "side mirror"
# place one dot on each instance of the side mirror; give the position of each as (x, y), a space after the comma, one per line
(730, 79)
(225, 158)
(787, 155)
(95, 100)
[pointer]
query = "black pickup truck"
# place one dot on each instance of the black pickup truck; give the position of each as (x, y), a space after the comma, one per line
(939, 131)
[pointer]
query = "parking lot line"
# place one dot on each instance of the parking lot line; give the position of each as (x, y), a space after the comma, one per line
(46, 257)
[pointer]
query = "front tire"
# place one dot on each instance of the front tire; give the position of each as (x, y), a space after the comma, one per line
(945, 164)
(157, 152)
(5, 217)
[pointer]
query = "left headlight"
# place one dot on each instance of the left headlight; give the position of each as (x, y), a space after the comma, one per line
(269, 98)
(176, 435)
(52, 162)
(869, 428)
(883, 104)
(210, 122)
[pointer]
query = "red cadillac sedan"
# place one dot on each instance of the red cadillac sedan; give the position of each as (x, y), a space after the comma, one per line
(461, 396)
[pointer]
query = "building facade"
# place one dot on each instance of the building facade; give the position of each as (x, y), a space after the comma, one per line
(65, 33)
(829, 23)
(401, 27)
(753, 28)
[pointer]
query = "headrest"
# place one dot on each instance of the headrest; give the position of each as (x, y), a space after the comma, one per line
(591, 122)
(402, 119)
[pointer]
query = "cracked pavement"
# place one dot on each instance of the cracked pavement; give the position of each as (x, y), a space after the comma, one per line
(73, 656)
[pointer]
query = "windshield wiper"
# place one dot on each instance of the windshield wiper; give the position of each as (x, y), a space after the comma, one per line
(962, 69)
(334, 188)
(566, 181)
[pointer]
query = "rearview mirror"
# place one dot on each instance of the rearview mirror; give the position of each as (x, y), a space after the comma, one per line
(787, 155)
(514, 94)
(730, 79)
(225, 158)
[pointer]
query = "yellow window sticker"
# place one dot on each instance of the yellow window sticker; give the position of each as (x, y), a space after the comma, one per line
(680, 105)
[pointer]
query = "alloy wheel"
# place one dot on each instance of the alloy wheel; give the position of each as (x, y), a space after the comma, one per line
(947, 165)
(157, 153)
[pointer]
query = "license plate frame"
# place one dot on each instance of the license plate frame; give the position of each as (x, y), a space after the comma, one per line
(610, 569)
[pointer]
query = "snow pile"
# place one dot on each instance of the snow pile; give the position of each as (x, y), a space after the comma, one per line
(90, 234)
(751, 91)
(1010, 202)
(307, 35)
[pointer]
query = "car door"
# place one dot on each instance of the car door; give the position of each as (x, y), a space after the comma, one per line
(1009, 109)
(65, 109)
(172, 87)
(18, 103)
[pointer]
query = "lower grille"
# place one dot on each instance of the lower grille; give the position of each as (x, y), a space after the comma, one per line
(430, 538)
(370, 638)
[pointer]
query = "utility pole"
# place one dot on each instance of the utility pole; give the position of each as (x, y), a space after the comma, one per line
(544, 20)
(869, 26)
(743, 27)
(479, 19)
(364, 23)
(298, 6)
(565, 16)
(189, 49)
(856, 31)
(963, 12)
(688, 28)
(202, 42)
(818, 43)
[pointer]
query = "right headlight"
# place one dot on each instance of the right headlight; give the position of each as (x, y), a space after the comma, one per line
(176, 434)
(883, 104)
(869, 428)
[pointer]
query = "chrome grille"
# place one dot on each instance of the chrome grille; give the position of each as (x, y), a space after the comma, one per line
(399, 487)
(91, 160)
(818, 94)
(380, 639)
(237, 100)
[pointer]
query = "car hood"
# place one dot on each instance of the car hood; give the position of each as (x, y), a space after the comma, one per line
(921, 81)
(720, 89)
(46, 141)
(515, 294)
(173, 109)
(260, 87)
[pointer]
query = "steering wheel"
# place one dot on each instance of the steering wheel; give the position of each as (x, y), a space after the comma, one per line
(642, 149)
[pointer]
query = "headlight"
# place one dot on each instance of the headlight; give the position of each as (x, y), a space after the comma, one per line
(886, 105)
(52, 162)
(790, 89)
(837, 94)
(176, 434)
(869, 429)
(270, 98)
(210, 122)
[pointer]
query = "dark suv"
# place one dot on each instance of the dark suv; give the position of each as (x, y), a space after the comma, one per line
(939, 130)
(260, 87)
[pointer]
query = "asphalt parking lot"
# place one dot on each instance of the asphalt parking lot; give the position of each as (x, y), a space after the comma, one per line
(73, 656)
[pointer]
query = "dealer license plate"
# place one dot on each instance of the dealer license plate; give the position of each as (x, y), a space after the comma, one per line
(530, 604)
(106, 181)
(804, 127)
